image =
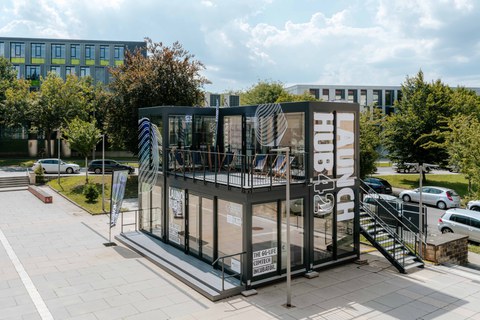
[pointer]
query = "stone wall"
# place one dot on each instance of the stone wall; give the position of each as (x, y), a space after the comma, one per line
(447, 248)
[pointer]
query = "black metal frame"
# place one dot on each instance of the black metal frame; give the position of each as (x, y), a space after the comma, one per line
(191, 181)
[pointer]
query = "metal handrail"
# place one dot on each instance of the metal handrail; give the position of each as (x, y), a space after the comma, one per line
(393, 234)
(401, 222)
(223, 267)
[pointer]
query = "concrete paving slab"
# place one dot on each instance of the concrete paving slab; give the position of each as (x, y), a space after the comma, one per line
(61, 249)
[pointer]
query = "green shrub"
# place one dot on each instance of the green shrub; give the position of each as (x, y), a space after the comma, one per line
(90, 192)
(39, 175)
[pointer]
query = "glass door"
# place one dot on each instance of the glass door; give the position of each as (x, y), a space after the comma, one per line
(200, 227)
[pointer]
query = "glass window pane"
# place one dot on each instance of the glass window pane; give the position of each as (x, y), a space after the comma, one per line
(207, 229)
(194, 224)
(296, 233)
(264, 238)
(176, 221)
(230, 231)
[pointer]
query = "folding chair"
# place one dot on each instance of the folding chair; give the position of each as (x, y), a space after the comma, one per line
(228, 161)
(196, 161)
(282, 169)
(179, 162)
(258, 163)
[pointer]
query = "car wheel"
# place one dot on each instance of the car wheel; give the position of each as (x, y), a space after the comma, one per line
(447, 230)
(69, 170)
(406, 198)
(441, 205)
(98, 170)
(475, 208)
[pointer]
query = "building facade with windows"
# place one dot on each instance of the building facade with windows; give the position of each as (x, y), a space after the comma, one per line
(33, 58)
(382, 97)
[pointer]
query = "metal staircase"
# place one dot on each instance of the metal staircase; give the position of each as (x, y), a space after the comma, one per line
(395, 237)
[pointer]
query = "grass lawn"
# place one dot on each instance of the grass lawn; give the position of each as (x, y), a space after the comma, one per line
(456, 182)
(72, 188)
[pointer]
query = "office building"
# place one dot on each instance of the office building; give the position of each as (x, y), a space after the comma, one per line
(33, 58)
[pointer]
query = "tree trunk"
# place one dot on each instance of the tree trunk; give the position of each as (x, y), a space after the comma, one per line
(86, 169)
(48, 148)
(424, 176)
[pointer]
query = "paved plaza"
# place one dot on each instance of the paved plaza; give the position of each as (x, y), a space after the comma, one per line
(54, 265)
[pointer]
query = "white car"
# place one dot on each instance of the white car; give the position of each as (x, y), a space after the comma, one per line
(442, 198)
(51, 166)
(473, 205)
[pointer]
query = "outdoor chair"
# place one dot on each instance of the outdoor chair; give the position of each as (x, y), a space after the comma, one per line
(179, 162)
(259, 163)
(229, 161)
(279, 169)
(196, 161)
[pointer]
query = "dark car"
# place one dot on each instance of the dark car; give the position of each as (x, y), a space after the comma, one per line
(379, 185)
(110, 166)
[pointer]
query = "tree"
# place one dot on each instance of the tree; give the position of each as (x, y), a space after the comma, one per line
(290, 97)
(462, 142)
(263, 92)
(82, 136)
(8, 76)
(166, 76)
(16, 109)
(369, 141)
(408, 133)
(60, 101)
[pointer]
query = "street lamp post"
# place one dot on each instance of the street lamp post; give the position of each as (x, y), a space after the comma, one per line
(420, 212)
(287, 208)
(103, 172)
(58, 147)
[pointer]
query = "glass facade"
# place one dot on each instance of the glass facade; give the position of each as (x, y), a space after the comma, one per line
(230, 231)
(265, 254)
(209, 219)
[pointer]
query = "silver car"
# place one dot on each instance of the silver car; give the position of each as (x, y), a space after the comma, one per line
(51, 166)
(473, 205)
(442, 198)
(461, 221)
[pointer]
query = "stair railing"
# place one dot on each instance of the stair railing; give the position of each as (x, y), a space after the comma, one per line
(405, 231)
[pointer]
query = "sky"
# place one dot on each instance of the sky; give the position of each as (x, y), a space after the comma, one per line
(242, 42)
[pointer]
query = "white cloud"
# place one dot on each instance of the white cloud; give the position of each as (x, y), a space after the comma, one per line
(243, 41)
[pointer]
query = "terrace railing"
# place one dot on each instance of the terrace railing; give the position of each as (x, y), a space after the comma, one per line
(247, 172)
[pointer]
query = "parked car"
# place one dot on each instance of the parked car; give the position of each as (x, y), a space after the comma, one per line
(442, 198)
(379, 185)
(404, 167)
(110, 166)
(51, 166)
(461, 221)
(473, 205)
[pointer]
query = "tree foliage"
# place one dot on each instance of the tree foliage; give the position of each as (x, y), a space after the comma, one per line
(263, 92)
(408, 133)
(166, 76)
(8, 76)
(290, 97)
(60, 101)
(82, 136)
(370, 141)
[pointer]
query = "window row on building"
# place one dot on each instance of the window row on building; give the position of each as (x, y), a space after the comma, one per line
(33, 58)
(34, 72)
(60, 53)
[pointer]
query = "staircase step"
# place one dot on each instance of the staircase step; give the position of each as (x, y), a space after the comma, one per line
(413, 265)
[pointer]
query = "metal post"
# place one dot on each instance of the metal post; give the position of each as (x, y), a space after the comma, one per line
(287, 215)
(58, 138)
(289, 271)
(103, 172)
(420, 214)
